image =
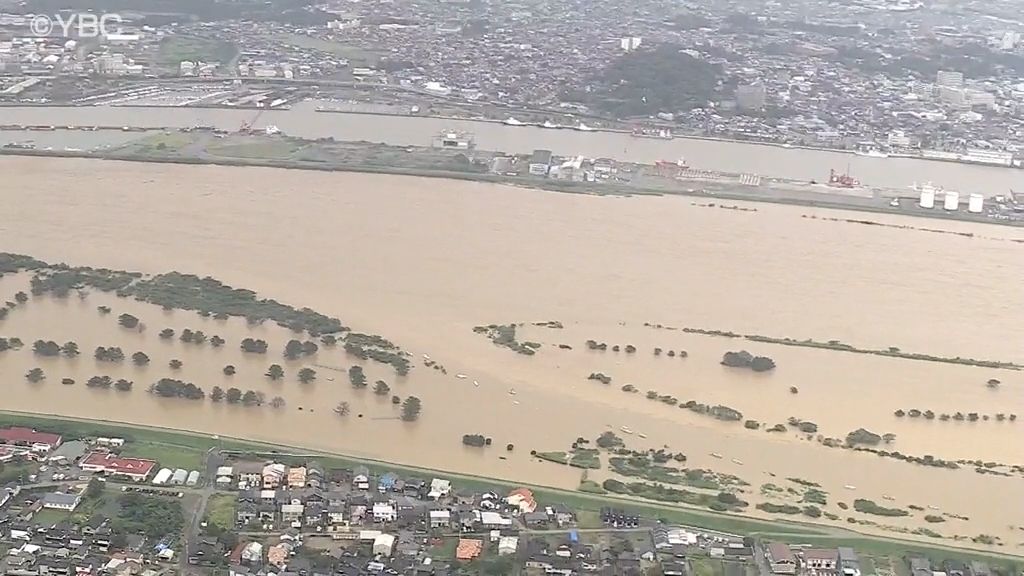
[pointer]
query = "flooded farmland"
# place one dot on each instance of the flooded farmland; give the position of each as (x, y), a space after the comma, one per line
(423, 261)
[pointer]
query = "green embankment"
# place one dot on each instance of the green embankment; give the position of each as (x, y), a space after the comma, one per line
(787, 531)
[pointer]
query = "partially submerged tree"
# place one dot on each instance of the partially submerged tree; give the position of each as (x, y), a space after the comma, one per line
(411, 408)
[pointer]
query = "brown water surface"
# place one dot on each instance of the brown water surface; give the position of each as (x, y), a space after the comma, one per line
(422, 261)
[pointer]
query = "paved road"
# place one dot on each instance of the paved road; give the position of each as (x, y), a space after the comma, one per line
(192, 531)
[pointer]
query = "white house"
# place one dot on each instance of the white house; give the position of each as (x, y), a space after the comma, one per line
(273, 475)
(494, 520)
(507, 545)
(383, 544)
(384, 512)
(440, 519)
(292, 512)
(439, 488)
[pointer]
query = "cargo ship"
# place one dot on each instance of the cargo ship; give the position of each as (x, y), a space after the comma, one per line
(837, 180)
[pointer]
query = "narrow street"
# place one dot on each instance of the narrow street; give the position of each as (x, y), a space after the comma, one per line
(193, 529)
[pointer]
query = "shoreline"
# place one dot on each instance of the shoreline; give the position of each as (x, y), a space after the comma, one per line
(603, 189)
(596, 130)
(801, 532)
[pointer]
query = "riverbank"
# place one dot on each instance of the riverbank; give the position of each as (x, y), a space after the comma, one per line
(615, 126)
(784, 530)
(703, 154)
(708, 190)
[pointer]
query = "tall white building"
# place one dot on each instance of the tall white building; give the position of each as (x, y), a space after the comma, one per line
(898, 139)
(979, 98)
(952, 96)
(950, 78)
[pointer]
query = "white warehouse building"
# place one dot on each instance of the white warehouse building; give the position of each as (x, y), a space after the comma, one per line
(162, 476)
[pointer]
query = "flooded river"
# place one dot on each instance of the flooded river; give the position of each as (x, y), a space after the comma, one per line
(771, 161)
(423, 261)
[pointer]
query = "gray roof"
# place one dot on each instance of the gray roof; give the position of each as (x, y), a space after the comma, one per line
(541, 157)
(60, 499)
(72, 450)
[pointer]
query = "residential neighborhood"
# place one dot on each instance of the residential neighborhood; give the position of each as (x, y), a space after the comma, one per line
(85, 506)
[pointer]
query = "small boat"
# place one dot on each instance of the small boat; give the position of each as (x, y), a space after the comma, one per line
(460, 376)
(933, 507)
(626, 430)
(510, 121)
(642, 435)
(330, 378)
(895, 203)
(426, 356)
(516, 402)
(735, 461)
(475, 383)
(849, 487)
(511, 391)
(716, 455)
(887, 497)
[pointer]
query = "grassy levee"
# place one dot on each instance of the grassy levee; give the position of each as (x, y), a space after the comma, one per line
(781, 530)
(720, 193)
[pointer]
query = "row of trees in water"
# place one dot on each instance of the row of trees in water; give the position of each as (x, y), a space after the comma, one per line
(174, 388)
(206, 296)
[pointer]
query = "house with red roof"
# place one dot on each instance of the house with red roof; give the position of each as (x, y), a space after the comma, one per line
(135, 469)
(41, 442)
(523, 499)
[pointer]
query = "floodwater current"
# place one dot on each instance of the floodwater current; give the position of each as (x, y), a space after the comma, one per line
(422, 261)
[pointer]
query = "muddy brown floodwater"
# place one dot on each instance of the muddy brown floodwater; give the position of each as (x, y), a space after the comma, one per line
(422, 261)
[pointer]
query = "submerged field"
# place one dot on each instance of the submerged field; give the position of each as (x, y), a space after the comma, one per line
(423, 262)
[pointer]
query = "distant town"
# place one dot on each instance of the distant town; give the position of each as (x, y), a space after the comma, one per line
(916, 78)
(82, 506)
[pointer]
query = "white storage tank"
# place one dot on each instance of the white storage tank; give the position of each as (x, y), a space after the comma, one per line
(162, 476)
(179, 476)
(975, 203)
(927, 197)
(193, 478)
(952, 201)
